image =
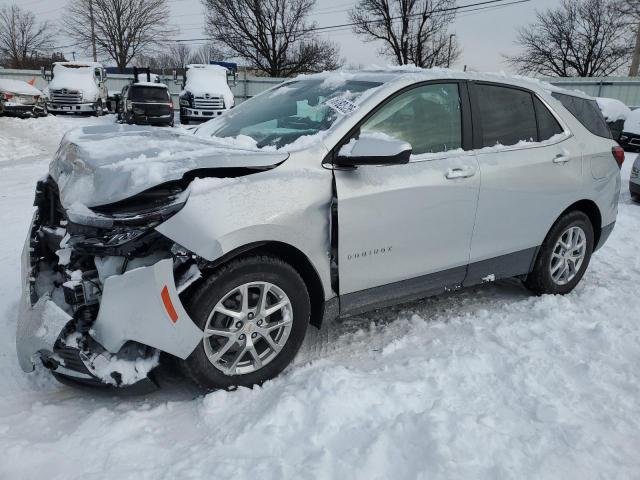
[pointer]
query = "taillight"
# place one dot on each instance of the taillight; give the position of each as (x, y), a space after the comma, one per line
(618, 154)
(8, 96)
(171, 104)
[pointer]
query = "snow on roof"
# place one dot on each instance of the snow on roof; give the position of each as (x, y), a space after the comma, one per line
(79, 64)
(410, 73)
(150, 84)
(18, 87)
(204, 66)
(613, 109)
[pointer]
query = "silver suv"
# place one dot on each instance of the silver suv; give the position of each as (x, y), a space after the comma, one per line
(326, 196)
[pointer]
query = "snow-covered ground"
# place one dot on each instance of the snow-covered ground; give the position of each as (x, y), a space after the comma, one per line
(490, 383)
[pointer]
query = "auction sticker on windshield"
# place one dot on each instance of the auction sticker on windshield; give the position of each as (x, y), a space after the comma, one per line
(342, 105)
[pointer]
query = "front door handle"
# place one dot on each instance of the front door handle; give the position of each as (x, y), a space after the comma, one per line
(453, 173)
(561, 158)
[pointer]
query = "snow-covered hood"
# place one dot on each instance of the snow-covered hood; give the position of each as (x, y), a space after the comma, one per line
(80, 79)
(18, 87)
(103, 164)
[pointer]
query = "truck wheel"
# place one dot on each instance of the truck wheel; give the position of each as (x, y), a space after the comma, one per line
(99, 108)
(564, 255)
(254, 314)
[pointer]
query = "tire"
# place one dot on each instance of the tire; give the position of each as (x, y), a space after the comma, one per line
(184, 121)
(99, 109)
(223, 289)
(635, 198)
(541, 279)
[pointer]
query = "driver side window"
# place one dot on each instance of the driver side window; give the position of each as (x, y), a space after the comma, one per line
(427, 117)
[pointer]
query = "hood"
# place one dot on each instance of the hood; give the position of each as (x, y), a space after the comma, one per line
(103, 164)
(18, 87)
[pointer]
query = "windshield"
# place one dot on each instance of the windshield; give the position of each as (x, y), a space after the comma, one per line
(149, 94)
(290, 111)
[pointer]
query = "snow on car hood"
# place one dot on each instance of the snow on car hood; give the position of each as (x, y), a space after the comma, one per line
(103, 164)
(18, 87)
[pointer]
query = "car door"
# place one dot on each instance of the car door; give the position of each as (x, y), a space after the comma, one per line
(406, 229)
(531, 171)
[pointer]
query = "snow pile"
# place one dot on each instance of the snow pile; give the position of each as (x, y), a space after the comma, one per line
(487, 383)
(613, 109)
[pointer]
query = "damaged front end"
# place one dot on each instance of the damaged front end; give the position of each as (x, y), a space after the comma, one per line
(101, 288)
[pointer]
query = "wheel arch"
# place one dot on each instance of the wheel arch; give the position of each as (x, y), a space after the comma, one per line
(297, 259)
(591, 210)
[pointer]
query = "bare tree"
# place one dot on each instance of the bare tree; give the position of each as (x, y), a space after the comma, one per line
(123, 28)
(583, 38)
(21, 37)
(411, 31)
(206, 53)
(272, 35)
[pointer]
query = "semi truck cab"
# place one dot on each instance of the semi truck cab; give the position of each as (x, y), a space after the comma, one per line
(76, 87)
(205, 92)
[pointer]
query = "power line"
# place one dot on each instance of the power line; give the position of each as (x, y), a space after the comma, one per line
(352, 24)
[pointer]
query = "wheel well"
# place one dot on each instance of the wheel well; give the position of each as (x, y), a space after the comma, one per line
(297, 260)
(591, 210)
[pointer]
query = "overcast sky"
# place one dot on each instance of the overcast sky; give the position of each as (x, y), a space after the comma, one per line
(484, 35)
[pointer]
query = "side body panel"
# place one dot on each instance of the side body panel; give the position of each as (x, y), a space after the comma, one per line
(401, 222)
(523, 192)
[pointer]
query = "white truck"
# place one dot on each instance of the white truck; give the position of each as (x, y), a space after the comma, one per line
(76, 87)
(205, 92)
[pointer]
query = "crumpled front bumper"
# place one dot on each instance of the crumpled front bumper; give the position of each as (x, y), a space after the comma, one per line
(141, 305)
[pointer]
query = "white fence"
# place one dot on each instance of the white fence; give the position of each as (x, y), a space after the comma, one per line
(246, 86)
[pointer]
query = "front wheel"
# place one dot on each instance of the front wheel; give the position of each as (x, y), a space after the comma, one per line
(254, 314)
(564, 255)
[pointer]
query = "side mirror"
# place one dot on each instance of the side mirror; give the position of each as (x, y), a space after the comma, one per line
(175, 76)
(46, 73)
(373, 149)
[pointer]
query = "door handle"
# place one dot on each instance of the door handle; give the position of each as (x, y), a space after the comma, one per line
(561, 158)
(453, 173)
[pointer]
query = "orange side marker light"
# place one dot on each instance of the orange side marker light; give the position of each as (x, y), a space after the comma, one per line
(168, 304)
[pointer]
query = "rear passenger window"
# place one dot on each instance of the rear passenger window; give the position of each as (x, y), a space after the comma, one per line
(507, 115)
(586, 112)
(548, 126)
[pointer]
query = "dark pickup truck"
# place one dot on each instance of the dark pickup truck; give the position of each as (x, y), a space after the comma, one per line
(146, 103)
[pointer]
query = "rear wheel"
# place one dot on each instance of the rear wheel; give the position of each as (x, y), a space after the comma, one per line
(564, 255)
(254, 314)
(184, 120)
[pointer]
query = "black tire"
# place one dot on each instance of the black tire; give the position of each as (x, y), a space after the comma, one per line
(209, 292)
(635, 198)
(184, 121)
(99, 108)
(540, 280)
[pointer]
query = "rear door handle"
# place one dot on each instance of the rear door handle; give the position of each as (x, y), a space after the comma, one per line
(453, 173)
(561, 158)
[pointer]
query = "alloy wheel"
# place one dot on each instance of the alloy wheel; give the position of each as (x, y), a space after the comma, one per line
(248, 328)
(568, 255)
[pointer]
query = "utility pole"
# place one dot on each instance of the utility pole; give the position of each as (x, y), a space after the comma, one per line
(449, 53)
(93, 31)
(635, 60)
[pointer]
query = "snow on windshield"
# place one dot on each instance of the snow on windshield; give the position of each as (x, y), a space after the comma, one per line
(290, 115)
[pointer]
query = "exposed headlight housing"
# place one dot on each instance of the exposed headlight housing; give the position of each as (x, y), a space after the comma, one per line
(124, 227)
